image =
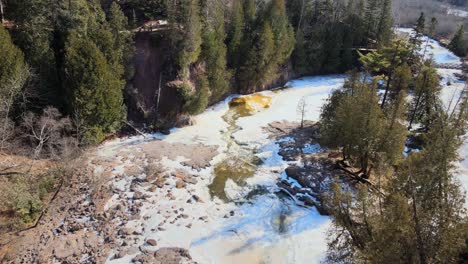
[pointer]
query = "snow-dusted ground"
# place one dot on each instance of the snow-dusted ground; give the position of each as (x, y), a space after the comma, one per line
(456, 12)
(266, 228)
(439, 53)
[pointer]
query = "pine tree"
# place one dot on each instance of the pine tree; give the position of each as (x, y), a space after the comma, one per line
(282, 31)
(430, 32)
(370, 17)
(426, 96)
(121, 50)
(190, 46)
(331, 55)
(258, 68)
(270, 46)
(249, 14)
(432, 26)
(386, 60)
(299, 54)
(197, 102)
(418, 218)
(36, 40)
(13, 68)
(416, 38)
(94, 92)
(420, 24)
(355, 113)
(236, 34)
(214, 49)
(458, 43)
(384, 30)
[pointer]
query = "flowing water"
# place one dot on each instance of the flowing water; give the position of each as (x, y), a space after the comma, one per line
(241, 162)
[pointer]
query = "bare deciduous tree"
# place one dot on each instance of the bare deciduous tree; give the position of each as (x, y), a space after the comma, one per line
(302, 109)
(8, 93)
(48, 130)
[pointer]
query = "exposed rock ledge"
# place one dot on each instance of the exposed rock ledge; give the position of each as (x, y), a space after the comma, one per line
(311, 168)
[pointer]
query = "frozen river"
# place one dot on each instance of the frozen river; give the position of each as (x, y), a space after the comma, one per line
(266, 227)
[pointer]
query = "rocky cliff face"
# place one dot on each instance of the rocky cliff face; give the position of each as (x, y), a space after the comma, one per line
(152, 102)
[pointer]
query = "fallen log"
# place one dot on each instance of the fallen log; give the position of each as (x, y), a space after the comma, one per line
(357, 177)
(134, 128)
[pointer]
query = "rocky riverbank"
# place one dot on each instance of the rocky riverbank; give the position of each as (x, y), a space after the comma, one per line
(97, 207)
(311, 168)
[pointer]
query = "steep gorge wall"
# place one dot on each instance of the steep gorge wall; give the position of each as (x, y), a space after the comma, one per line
(152, 64)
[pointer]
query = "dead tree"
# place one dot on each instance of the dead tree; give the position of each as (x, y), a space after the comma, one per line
(302, 109)
(46, 130)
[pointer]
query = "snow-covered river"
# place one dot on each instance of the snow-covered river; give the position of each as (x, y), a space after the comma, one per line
(267, 227)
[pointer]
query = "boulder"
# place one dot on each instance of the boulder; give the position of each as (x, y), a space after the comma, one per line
(138, 195)
(172, 255)
(180, 184)
(151, 242)
(197, 198)
(184, 120)
(190, 180)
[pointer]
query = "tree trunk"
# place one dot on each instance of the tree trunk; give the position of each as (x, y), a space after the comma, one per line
(386, 90)
(159, 92)
(1, 12)
(417, 103)
(300, 16)
(417, 225)
(302, 117)
(414, 111)
(390, 74)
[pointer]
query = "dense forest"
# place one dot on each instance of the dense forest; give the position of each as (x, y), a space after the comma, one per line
(412, 200)
(77, 56)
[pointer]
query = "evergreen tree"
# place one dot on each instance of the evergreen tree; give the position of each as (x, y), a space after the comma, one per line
(430, 32)
(195, 103)
(348, 116)
(458, 43)
(120, 43)
(13, 68)
(400, 82)
(418, 218)
(386, 60)
(271, 46)
(331, 59)
(249, 14)
(214, 49)
(384, 30)
(191, 40)
(282, 31)
(416, 38)
(432, 27)
(299, 55)
(258, 68)
(426, 96)
(13, 75)
(371, 18)
(236, 34)
(94, 92)
(37, 39)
